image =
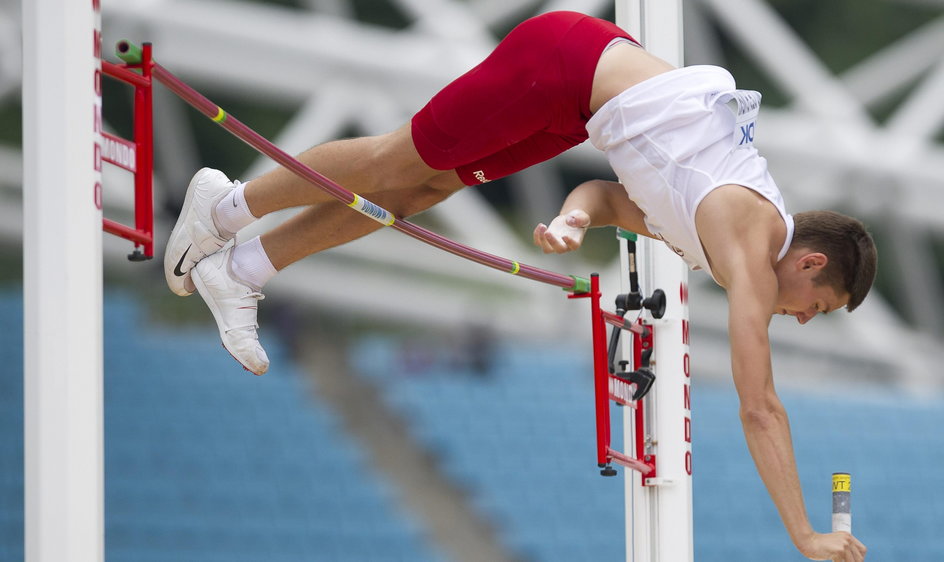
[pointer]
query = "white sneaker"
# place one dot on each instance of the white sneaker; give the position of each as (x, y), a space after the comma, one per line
(234, 307)
(195, 236)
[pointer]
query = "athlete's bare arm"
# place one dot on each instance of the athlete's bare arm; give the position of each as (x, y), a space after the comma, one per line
(590, 204)
(742, 234)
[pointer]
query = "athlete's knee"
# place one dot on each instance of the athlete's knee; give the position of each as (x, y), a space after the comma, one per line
(419, 199)
(447, 182)
(394, 163)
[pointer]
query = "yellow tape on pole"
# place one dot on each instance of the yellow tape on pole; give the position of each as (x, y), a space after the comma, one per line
(842, 496)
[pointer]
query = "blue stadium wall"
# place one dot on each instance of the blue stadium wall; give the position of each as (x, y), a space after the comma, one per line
(205, 462)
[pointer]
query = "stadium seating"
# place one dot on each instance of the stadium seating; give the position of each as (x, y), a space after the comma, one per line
(520, 439)
(207, 463)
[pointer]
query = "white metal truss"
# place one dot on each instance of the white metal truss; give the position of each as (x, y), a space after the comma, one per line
(343, 74)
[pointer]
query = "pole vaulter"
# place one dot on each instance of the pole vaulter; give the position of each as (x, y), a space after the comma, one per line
(624, 388)
(768, 261)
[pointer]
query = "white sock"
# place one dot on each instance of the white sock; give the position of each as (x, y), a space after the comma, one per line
(232, 212)
(251, 264)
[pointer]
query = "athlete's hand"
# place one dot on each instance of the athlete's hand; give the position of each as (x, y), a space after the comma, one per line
(838, 547)
(564, 234)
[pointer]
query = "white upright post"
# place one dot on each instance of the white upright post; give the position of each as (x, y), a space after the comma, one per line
(659, 526)
(62, 277)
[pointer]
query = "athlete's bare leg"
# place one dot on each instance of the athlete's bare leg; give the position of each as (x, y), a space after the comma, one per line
(366, 165)
(330, 224)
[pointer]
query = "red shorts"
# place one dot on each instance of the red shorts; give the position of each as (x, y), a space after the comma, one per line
(526, 103)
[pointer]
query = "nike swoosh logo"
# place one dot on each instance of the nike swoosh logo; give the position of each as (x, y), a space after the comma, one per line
(177, 270)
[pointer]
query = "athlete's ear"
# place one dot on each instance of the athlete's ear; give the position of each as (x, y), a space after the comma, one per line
(812, 261)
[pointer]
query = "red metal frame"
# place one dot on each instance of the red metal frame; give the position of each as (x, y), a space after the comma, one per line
(142, 234)
(609, 387)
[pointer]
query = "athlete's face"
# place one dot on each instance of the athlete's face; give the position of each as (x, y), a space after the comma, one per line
(798, 295)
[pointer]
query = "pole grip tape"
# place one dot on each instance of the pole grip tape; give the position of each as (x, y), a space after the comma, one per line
(372, 210)
(842, 504)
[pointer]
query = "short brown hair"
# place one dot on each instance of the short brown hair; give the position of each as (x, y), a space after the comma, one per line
(848, 246)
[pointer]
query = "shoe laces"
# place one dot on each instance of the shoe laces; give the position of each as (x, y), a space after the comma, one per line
(254, 295)
(252, 322)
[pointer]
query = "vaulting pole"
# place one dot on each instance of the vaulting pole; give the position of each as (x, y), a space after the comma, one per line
(132, 54)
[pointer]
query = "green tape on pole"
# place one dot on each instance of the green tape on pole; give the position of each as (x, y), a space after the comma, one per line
(128, 52)
(627, 234)
(581, 285)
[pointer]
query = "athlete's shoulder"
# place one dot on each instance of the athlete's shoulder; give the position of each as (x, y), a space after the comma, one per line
(737, 225)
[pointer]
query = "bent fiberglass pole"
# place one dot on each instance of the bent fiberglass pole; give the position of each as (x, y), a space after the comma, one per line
(131, 54)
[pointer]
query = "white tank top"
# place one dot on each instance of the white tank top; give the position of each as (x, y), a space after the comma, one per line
(673, 139)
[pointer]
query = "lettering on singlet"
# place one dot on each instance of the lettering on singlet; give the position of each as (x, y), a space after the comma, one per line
(748, 105)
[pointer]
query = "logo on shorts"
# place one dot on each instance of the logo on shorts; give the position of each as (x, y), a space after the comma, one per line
(480, 175)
